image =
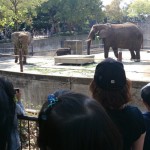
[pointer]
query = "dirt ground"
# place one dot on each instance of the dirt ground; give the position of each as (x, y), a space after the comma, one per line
(46, 65)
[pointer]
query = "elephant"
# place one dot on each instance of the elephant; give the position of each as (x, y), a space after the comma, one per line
(21, 39)
(124, 36)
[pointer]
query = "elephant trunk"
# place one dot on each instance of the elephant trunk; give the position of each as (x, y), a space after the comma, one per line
(88, 46)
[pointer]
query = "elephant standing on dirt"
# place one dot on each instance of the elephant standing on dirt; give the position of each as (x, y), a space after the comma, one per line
(20, 40)
(125, 36)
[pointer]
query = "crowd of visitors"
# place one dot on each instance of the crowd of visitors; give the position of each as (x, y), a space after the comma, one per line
(73, 121)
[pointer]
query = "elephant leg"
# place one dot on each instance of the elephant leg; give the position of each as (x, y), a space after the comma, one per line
(106, 51)
(132, 54)
(16, 53)
(115, 52)
(25, 51)
(137, 57)
(24, 60)
(16, 59)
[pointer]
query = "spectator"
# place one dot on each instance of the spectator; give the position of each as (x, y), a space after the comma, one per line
(73, 121)
(15, 138)
(7, 112)
(111, 88)
(145, 94)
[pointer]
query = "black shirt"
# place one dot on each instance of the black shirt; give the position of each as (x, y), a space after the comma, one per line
(130, 123)
(147, 137)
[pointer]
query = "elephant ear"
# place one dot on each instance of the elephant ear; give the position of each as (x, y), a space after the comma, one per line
(103, 33)
(93, 30)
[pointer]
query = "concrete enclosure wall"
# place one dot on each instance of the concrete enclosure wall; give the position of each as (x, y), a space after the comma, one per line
(35, 88)
(53, 43)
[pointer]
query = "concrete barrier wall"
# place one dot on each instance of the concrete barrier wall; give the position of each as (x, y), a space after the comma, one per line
(53, 43)
(44, 44)
(36, 87)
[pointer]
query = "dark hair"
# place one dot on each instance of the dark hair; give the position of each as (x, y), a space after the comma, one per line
(145, 94)
(61, 92)
(7, 112)
(77, 122)
(112, 99)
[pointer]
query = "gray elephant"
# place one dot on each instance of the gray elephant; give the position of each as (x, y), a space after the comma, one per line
(124, 36)
(20, 40)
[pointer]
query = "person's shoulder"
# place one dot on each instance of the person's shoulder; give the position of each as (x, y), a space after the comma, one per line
(130, 108)
(136, 119)
(146, 116)
(133, 111)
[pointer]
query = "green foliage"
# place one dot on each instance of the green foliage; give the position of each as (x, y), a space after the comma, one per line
(138, 8)
(49, 12)
(15, 12)
(72, 12)
(113, 11)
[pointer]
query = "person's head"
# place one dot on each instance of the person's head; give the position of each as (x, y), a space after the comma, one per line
(7, 111)
(145, 95)
(110, 86)
(73, 121)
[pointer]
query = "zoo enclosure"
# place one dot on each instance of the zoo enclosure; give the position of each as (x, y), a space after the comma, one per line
(51, 44)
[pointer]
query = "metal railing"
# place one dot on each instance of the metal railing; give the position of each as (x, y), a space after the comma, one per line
(28, 130)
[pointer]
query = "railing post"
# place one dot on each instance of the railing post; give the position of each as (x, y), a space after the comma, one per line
(26, 127)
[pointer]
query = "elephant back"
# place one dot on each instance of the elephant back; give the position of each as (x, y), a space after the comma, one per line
(23, 37)
(14, 36)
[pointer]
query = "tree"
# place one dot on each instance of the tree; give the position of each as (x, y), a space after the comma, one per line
(73, 12)
(139, 8)
(113, 11)
(16, 12)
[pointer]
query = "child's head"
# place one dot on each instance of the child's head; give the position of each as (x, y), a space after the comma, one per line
(145, 94)
(74, 121)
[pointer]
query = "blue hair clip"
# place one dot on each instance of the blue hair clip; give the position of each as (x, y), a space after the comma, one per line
(52, 99)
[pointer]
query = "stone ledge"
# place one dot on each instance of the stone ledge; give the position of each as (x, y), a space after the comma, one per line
(74, 59)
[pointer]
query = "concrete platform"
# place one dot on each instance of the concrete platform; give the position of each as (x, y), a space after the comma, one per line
(74, 59)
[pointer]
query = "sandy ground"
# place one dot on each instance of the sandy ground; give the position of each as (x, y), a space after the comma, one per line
(46, 65)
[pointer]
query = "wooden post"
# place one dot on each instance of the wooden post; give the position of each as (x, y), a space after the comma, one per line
(20, 58)
(120, 56)
(88, 47)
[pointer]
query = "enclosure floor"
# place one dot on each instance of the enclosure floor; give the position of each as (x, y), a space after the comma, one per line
(46, 65)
